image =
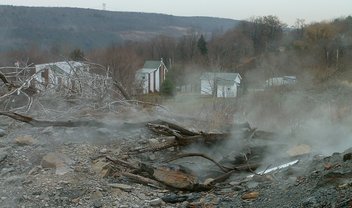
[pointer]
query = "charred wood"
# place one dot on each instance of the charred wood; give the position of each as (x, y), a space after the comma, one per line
(225, 169)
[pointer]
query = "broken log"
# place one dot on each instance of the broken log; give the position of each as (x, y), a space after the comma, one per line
(121, 162)
(176, 127)
(156, 147)
(225, 169)
(175, 176)
(44, 123)
(184, 136)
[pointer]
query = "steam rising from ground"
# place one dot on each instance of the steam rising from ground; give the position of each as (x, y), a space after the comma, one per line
(319, 119)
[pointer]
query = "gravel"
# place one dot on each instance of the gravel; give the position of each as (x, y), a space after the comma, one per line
(25, 183)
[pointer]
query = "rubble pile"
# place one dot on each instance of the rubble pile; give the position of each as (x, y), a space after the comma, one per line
(87, 149)
(155, 163)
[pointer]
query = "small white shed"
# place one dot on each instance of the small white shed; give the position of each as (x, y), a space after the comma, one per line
(280, 81)
(220, 84)
(151, 76)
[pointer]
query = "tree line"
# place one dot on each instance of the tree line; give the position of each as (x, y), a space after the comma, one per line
(260, 47)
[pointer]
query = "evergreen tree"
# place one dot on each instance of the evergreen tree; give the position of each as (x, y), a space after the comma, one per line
(167, 88)
(77, 55)
(202, 45)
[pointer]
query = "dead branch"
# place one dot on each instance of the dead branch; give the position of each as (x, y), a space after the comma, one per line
(4, 79)
(18, 89)
(122, 90)
(247, 167)
(143, 180)
(164, 130)
(157, 147)
(136, 102)
(179, 128)
(6, 82)
(225, 169)
(121, 162)
(222, 177)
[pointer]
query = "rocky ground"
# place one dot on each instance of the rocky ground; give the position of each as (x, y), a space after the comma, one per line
(62, 167)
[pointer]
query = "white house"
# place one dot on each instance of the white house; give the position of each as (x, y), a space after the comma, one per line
(220, 84)
(57, 74)
(151, 76)
(280, 81)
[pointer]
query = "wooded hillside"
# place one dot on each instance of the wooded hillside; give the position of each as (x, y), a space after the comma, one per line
(23, 27)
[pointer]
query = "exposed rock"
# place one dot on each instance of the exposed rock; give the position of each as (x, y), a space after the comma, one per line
(58, 161)
(5, 171)
(310, 202)
(2, 132)
(16, 180)
(3, 156)
(153, 141)
(347, 155)
(34, 170)
(97, 204)
(328, 166)
(48, 130)
(252, 184)
(155, 202)
(24, 140)
(121, 186)
(96, 195)
(174, 198)
(103, 151)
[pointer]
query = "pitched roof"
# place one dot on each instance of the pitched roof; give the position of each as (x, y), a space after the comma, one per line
(146, 70)
(61, 67)
(151, 64)
(220, 75)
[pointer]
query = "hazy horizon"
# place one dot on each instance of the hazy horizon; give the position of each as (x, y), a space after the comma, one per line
(287, 11)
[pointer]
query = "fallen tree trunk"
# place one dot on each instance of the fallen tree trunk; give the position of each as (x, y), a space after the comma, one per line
(122, 90)
(44, 123)
(184, 136)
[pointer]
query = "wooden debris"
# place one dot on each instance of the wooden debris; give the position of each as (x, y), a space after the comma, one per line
(179, 177)
(43, 123)
(143, 180)
(174, 176)
(121, 162)
(170, 142)
(122, 89)
(225, 169)
(250, 195)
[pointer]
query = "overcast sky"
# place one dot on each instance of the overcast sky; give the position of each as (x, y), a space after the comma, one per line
(287, 10)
